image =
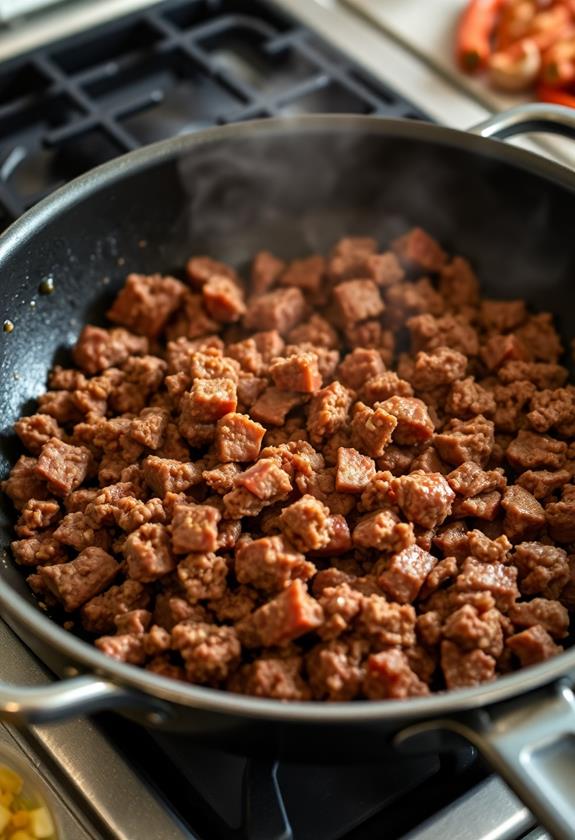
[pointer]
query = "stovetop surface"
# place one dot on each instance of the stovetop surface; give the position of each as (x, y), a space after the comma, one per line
(113, 780)
(258, 798)
(65, 107)
(177, 67)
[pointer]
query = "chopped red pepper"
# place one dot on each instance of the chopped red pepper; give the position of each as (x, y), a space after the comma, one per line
(476, 26)
(555, 96)
(558, 68)
(522, 44)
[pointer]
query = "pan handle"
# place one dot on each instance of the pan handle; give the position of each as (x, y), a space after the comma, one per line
(530, 742)
(63, 699)
(523, 119)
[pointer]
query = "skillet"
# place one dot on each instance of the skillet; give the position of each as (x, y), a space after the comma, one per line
(293, 186)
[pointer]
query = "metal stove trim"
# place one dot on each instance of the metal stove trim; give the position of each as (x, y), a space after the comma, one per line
(91, 781)
(488, 812)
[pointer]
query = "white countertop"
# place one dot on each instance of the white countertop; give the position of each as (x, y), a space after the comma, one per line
(426, 28)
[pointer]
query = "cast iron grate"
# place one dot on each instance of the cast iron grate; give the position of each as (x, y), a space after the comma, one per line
(221, 795)
(179, 67)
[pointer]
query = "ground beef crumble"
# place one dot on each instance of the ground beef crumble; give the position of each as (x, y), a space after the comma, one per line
(247, 483)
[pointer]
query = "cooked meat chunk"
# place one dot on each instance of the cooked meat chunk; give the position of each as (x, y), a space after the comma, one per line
(165, 475)
(424, 498)
(77, 581)
(126, 647)
(540, 337)
(279, 310)
(335, 670)
(524, 516)
(560, 517)
(354, 471)
(466, 440)
(405, 573)
(223, 299)
(484, 506)
(210, 653)
(210, 399)
(76, 531)
(35, 516)
(24, 483)
(358, 300)
(265, 271)
(499, 580)
(551, 615)
(470, 480)
(543, 569)
(383, 386)
(98, 349)
(200, 269)
(462, 669)
(36, 430)
(440, 367)
(147, 553)
(389, 677)
(360, 366)
(541, 374)
(99, 614)
(298, 373)
(238, 438)
(279, 678)
(470, 629)
(531, 451)
(44, 549)
(490, 551)
(501, 349)
(222, 478)
(339, 538)
(348, 257)
(458, 283)
(341, 604)
(542, 483)
(328, 411)
(345, 476)
(203, 576)
(194, 528)
(266, 480)
(414, 425)
(289, 615)
(62, 466)
(372, 429)
(452, 540)
(306, 523)
(467, 399)
(417, 249)
(386, 624)
(273, 406)
(533, 645)
(383, 531)
(150, 427)
(146, 302)
(270, 564)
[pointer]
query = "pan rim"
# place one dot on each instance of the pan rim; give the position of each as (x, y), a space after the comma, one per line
(25, 614)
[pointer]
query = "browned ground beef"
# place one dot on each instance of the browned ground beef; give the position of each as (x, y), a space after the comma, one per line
(344, 477)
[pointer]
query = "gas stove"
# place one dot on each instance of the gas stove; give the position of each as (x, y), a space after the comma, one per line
(81, 82)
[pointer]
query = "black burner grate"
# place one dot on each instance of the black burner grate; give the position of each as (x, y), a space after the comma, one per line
(178, 67)
(229, 797)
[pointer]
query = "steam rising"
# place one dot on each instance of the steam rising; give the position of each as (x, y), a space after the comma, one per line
(298, 191)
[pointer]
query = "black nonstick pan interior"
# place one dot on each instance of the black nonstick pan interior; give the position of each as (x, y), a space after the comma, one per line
(291, 188)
